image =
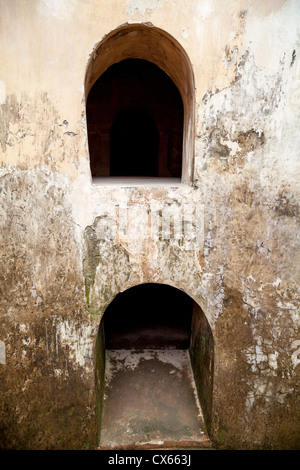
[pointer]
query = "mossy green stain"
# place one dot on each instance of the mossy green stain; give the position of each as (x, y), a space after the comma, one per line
(221, 437)
(90, 263)
(100, 375)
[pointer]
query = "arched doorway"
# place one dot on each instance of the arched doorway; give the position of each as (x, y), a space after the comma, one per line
(142, 67)
(158, 350)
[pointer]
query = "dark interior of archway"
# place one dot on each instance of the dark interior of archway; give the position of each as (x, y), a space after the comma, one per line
(135, 122)
(149, 316)
(134, 144)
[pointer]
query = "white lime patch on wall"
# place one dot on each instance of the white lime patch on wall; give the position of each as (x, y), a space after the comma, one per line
(2, 92)
(143, 6)
(38, 299)
(60, 9)
(2, 353)
(296, 354)
(79, 341)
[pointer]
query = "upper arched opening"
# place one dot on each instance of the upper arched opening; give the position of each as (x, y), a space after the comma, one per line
(144, 72)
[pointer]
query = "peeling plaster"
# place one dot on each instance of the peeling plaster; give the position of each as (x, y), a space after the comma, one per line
(58, 275)
(295, 358)
(80, 342)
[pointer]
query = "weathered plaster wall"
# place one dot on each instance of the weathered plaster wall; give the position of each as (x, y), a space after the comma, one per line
(58, 274)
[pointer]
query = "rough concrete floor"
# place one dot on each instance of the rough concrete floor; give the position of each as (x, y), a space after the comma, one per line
(150, 401)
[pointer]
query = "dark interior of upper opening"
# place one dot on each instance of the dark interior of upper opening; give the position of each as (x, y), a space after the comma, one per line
(135, 122)
(134, 143)
(149, 316)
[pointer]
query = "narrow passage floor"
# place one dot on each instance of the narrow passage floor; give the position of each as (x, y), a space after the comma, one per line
(150, 401)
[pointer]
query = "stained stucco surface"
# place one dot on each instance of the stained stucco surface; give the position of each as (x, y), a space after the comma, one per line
(58, 274)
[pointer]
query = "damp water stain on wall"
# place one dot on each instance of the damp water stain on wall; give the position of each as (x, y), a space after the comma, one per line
(237, 69)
